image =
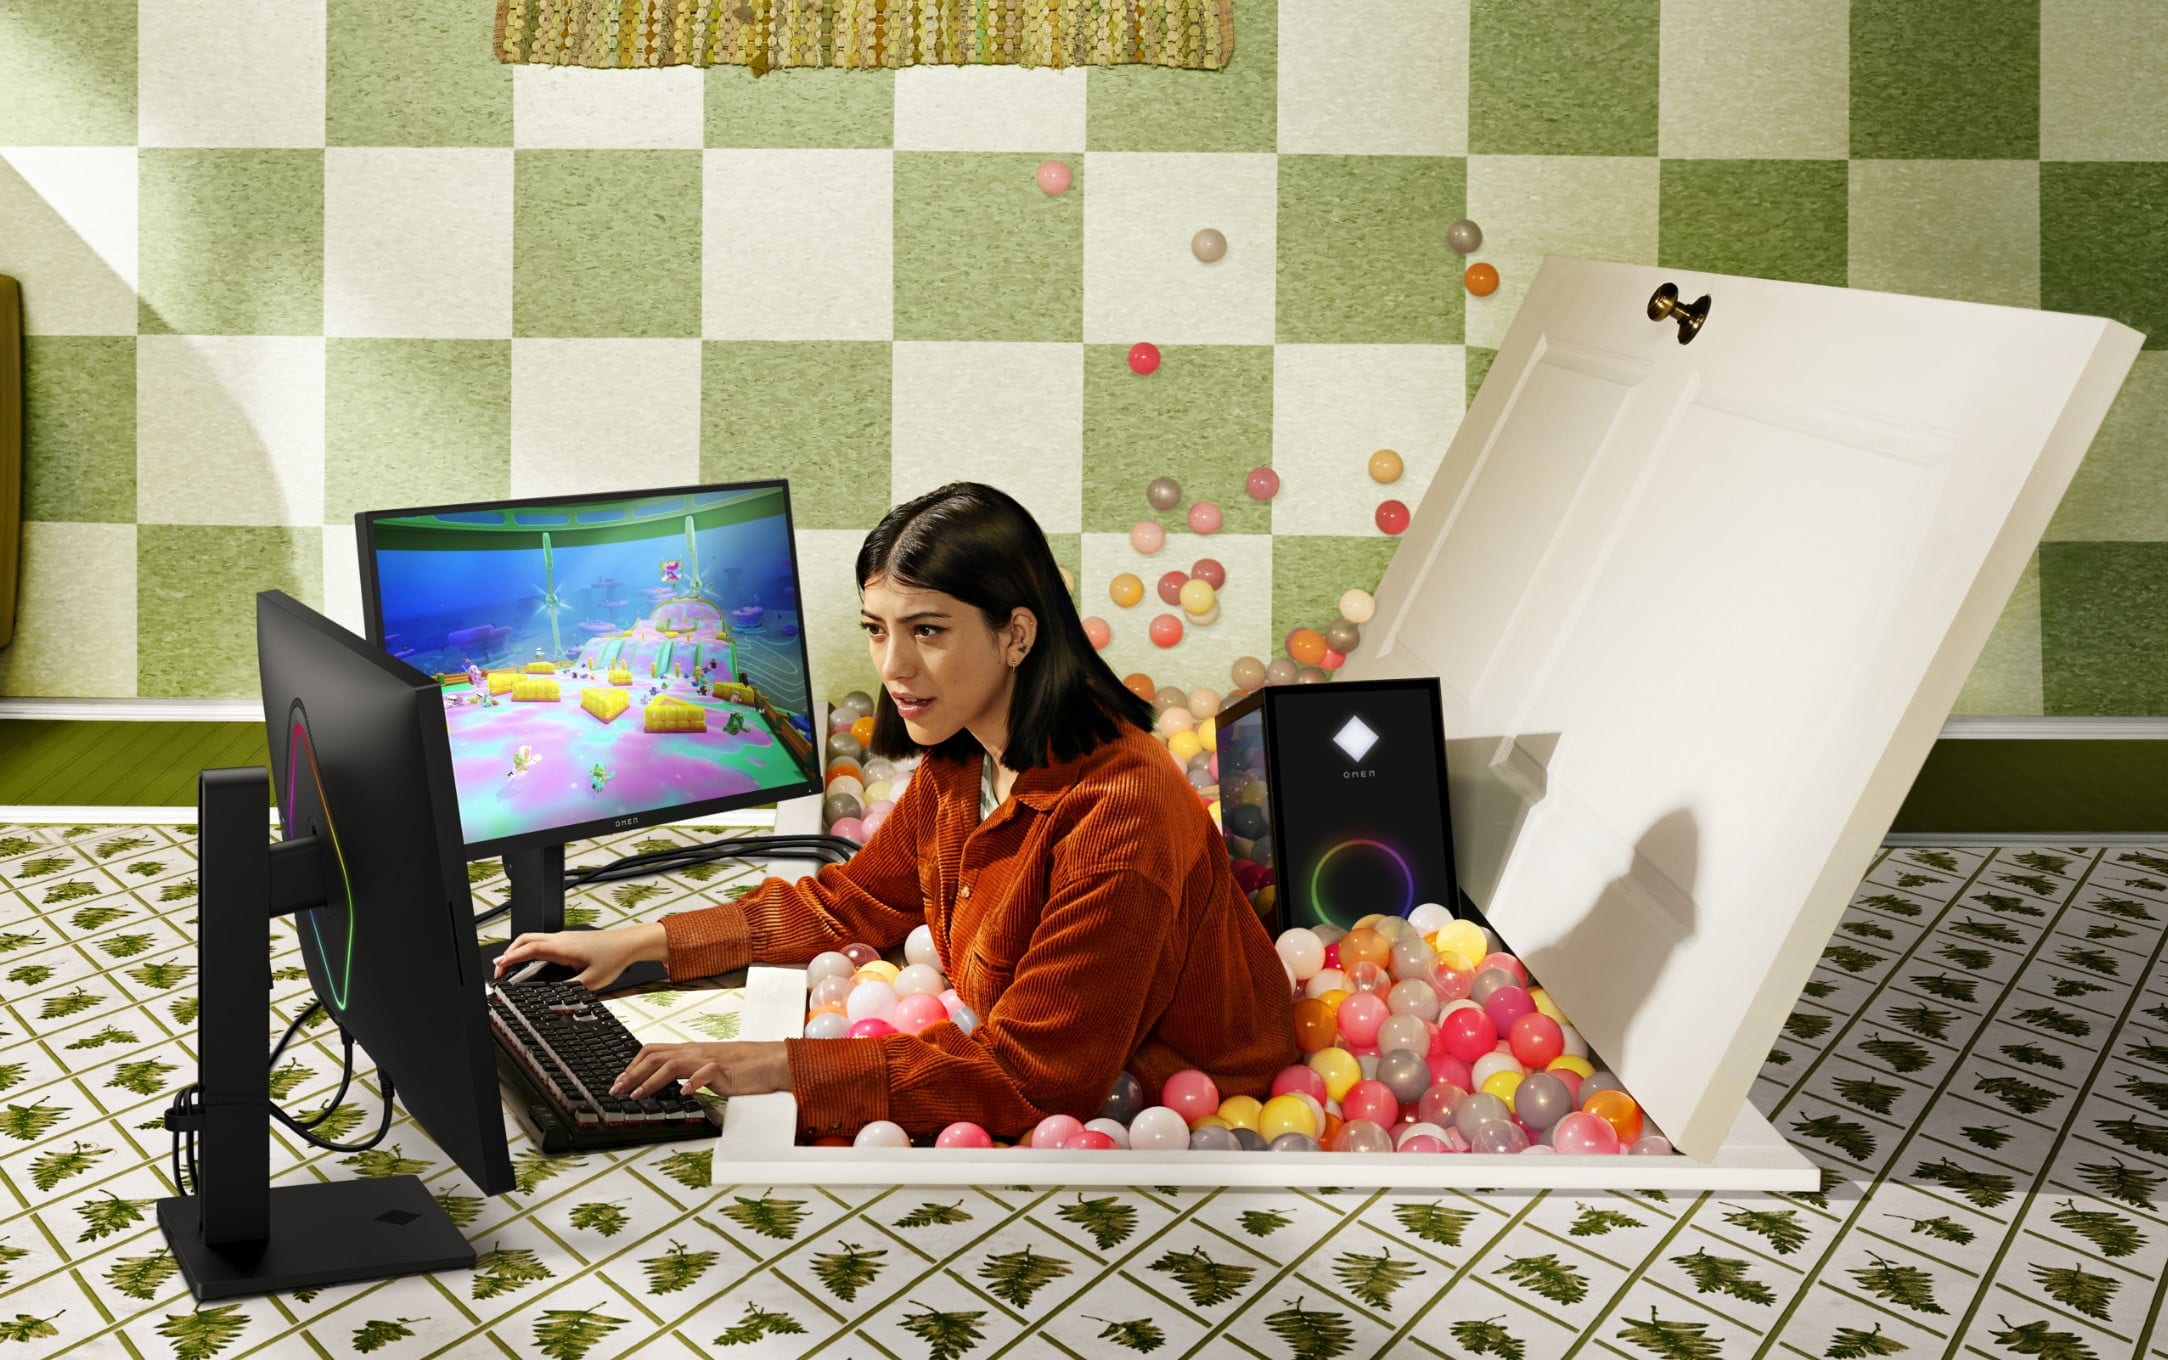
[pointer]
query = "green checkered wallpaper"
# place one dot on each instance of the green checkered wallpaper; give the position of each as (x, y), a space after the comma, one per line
(281, 261)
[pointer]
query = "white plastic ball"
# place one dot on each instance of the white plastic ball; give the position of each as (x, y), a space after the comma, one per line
(1325, 980)
(1113, 1129)
(828, 1025)
(1429, 918)
(920, 979)
(918, 947)
(1576, 1046)
(1159, 1129)
(828, 965)
(882, 1134)
(1491, 1064)
(872, 999)
(1302, 951)
(1356, 606)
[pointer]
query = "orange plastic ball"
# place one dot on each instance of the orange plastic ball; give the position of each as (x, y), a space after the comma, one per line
(1306, 646)
(1617, 1109)
(1140, 684)
(1314, 1025)
(1332, 1130)
(1364, 946)
(1125, 589)
(842, 768)
(1482, 279)
(863, 730)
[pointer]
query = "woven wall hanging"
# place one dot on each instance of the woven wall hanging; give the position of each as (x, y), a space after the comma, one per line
(769, 35)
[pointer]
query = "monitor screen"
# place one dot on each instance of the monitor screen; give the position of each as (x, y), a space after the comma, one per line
(605, 661)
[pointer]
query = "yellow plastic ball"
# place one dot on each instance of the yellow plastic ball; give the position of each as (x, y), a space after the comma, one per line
(1366, 923)
(879, 968)
(1214, 808)
(1385, 466)
(1285, 1114)
(878, 789)
(1464, 938)
(1125, 589)
(1544, 1004)
(1333, 998)
(1502, 1085)
(1566, 1062)
(1208, 733)
(1447, 958)
(1339, 1069)
(1185, 744)
(1240, 1112)
(1211, 1121)
(1198, 597)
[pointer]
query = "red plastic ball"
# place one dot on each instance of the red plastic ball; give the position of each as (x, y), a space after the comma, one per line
(1262, 484)
(1209, 571)
(1166, 630)
(1089, 1140)
(963, 1134)
(1096, 629)
(1332, 660)
(1469, 1034)
(1170, 587)
(872, 1027)
(1392, 517)
(1144, 357)
(1536, 1039)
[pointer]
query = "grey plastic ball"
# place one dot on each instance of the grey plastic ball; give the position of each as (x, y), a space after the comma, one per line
(1488, 981)
(1363, 1135)
(1312, 675)
(1249, 1140)
(859, 702)
(1541, 1100)
(1281, 672)
(1342, 636)
(1405, 1074)
(1498, 1137)
(1478, 1109)
(1208, 245)
(844, 746)
(1294, 1142)
(1123, 1102)
(1463, 236)
(1600, 1080)
(836, 806)
(1248, 672)
(1164, 493)
(1209, 1139)
(1412, 958)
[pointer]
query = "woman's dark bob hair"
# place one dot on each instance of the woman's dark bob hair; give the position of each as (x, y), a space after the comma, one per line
(979, 545)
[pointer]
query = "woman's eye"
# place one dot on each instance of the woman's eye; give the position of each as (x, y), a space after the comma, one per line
(927, 630)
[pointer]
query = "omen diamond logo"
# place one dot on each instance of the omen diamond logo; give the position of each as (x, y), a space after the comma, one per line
(1355, 738)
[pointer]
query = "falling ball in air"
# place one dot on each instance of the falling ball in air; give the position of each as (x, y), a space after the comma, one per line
(1164, 493)
(1144, 355)
(1262, 484)
(1357, 605)
(1463, 236)
(1204, 517)
(1208, 245)
(1386, 467)
(1392, 517)
(1482, 279)
(1053, 176)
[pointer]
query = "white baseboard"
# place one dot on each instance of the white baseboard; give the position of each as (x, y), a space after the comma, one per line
(134, 710)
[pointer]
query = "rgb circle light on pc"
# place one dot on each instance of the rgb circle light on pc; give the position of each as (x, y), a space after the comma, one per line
(1317, 875)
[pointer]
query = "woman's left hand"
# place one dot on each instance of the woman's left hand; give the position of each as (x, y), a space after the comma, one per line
(737, 1069)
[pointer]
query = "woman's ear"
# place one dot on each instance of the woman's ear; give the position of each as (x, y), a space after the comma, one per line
(1022, 632)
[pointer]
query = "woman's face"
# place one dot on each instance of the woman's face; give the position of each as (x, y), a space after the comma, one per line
(944, 669)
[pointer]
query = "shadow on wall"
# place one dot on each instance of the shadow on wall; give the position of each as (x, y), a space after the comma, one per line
(154, 504)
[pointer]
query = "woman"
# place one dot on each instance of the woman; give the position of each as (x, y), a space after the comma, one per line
(1078, 895)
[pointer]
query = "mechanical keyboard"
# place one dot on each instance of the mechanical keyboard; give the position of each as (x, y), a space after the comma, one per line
(559, 1048)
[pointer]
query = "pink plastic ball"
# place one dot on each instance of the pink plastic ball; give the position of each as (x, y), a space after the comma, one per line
(1371, 1100)
(850, 828)
(1053, 176)
(1170, 587)
(1535, 1039)
(950, 1002)
(1581, 1134)
(1332, 956)
(1209, 571)
(1392, 517)
(1096, 629)
(1144, 357)
(1505, 963)
(963, 1134)
(1299, 1079)
(1446, 1067)
(859, 953)
(1421, 1142)
(914, 1013)
(1147, 537)
(1332, 660)
(1056, 1129)
(1360, 1016)
(1262, 484)
(1166, 630)
(1573, 1083)
(870, 1028)
(1507, 1005)
(1090, 1140)
(1204, 517)
(1469, 1033)
(1190, 1094)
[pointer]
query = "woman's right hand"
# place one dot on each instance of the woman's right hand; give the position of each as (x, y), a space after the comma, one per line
(598, 955)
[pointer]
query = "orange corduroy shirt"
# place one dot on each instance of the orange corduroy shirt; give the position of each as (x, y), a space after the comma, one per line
(1090, 921)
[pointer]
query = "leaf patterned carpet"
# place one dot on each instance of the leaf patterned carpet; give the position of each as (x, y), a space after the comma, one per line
(1980, 1063)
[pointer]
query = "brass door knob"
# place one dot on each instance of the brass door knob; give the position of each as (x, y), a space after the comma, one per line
(1664, 304)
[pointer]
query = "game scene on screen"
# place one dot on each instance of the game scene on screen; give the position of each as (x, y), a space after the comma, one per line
(604, 658)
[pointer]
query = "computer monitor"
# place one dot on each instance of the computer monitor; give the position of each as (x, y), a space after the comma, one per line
(604, 662)
(369, 864)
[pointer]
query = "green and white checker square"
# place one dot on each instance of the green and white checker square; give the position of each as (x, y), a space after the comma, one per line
(1335, 405)
(1141, 279)
(93, 653)
(567, 107)
(1564, 78)
(989, 108)
(68, 74)
(1946, 81)
(981, 253)
(418, 242)
(1008, 414)
(70, 235)
(1336, 97)
(195, 600)
(1595, 207)
(413, 73)
(415, 422)
(79, 412)
(600, 243)
(836, 653)
(2120, 492)
(818, 413)
(597, 415)
(1968, 230)
(799, 245)
(2103, 81)
(230, 242)
(229, 429)
(1755, 79)
(1205, 655)
(227, 75)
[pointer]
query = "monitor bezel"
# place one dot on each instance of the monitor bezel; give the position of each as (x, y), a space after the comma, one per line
(373, 624)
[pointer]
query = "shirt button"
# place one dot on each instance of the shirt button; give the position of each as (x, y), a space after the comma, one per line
(964, 891)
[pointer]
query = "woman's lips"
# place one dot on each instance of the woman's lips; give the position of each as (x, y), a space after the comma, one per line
(911, 708)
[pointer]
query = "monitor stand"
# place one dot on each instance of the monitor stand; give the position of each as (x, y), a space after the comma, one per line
(537, 876)
(239, 1235)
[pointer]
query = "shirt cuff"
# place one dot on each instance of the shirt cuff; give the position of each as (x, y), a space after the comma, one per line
(714, 939)
(841, 1085)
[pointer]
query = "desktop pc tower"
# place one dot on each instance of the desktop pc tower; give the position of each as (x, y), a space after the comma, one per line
(1333, 800)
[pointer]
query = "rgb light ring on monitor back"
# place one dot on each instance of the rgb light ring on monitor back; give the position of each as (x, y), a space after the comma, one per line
(339, 976)
(1318, 908)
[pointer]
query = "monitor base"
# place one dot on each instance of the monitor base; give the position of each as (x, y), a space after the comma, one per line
(332, 1232)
